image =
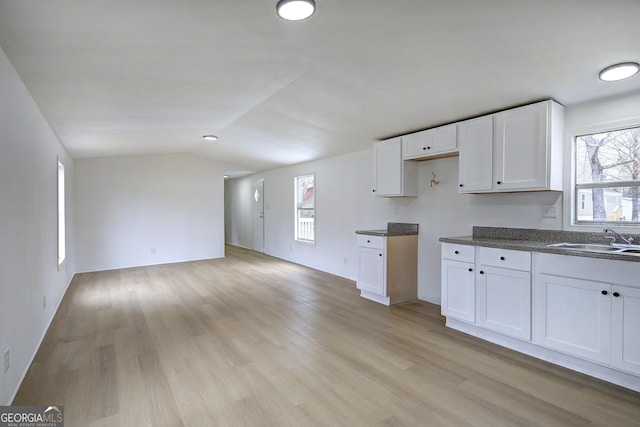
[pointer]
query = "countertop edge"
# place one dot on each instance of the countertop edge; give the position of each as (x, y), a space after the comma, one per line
(534, 246)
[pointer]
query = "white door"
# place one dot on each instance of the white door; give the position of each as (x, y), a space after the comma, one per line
(257, 216)
(458, 290)
(574, 316)
(504, 301)
(388, 167)
(520, 148)
(625, 323)
(475, 141)
(371, 271)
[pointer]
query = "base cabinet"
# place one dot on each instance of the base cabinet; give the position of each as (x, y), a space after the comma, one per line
(578, 312)
(388, 268)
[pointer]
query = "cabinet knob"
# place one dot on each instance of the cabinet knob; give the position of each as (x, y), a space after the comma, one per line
(428, 148)
(616, 294)
(605, 293)
(424, 148)
(481, 272)
(461, 185)
(379, 254)
(456, 252)
(368, 241)
(373, 191)
(498, 182)
(501, 258)
(471, 269)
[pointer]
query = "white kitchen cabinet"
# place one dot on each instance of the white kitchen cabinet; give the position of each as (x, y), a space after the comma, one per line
(526, 150)
(458, 290)
(393, 177)
(388, 268)
(574, 316)
(475, 140)
(584, 307)
(625, 328)
(503, 282)
(431, 143)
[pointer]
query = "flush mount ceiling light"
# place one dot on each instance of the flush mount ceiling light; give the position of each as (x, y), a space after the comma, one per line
(619, 71)
(210, 138)
(295, 10)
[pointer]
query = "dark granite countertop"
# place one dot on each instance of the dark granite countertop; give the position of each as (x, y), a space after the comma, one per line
(393, 229)
(531, 240)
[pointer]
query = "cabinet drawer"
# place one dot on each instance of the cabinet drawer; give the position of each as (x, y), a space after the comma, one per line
(367, 241)
(458, 252)
(504, 258)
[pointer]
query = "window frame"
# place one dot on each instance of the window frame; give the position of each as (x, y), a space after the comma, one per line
(296, 237)
(571, 199)
(62, 218)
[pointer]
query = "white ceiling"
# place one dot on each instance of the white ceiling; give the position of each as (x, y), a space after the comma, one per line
(117, 77)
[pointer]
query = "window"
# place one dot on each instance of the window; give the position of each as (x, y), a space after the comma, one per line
(607, 177)
(305, 199)
(61, 216)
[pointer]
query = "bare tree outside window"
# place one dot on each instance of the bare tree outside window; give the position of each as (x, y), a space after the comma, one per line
(608, 177)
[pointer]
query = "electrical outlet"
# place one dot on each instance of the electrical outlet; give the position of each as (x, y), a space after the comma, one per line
(549, 212)
(7, 361)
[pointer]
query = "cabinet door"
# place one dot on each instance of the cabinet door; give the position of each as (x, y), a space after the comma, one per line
(392, 175)
(475, 141)
(520, 148)
(388, 167)
(504, 301)
(573, 316)
(431, 142)
(458, 290)
(371, 271)
(625, 323)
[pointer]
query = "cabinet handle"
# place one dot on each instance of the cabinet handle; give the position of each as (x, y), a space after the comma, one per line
(471, 269)
(616, 294)
(501, 258)
(456, 252)
(498, 182)
(605, 293)
(481, 272)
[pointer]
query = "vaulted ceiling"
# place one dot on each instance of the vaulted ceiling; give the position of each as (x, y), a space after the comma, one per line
(116, 77)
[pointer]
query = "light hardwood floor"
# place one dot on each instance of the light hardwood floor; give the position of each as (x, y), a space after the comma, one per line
(253, 340)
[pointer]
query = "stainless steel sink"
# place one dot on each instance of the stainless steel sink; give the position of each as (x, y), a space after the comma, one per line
(596, 247)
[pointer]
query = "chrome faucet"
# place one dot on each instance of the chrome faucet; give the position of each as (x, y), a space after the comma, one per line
(628, 240)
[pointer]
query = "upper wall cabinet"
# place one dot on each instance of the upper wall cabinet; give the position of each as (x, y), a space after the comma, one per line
(513, 150)
(431, 143)
(393, 177)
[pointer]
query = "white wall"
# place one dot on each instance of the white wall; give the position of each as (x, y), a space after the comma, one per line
(134, 211)
(28, 236)
(344, 203)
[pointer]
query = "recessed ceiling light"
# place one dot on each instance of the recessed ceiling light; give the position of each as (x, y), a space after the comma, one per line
(619, 71)
(210, 138)
(295, 10)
